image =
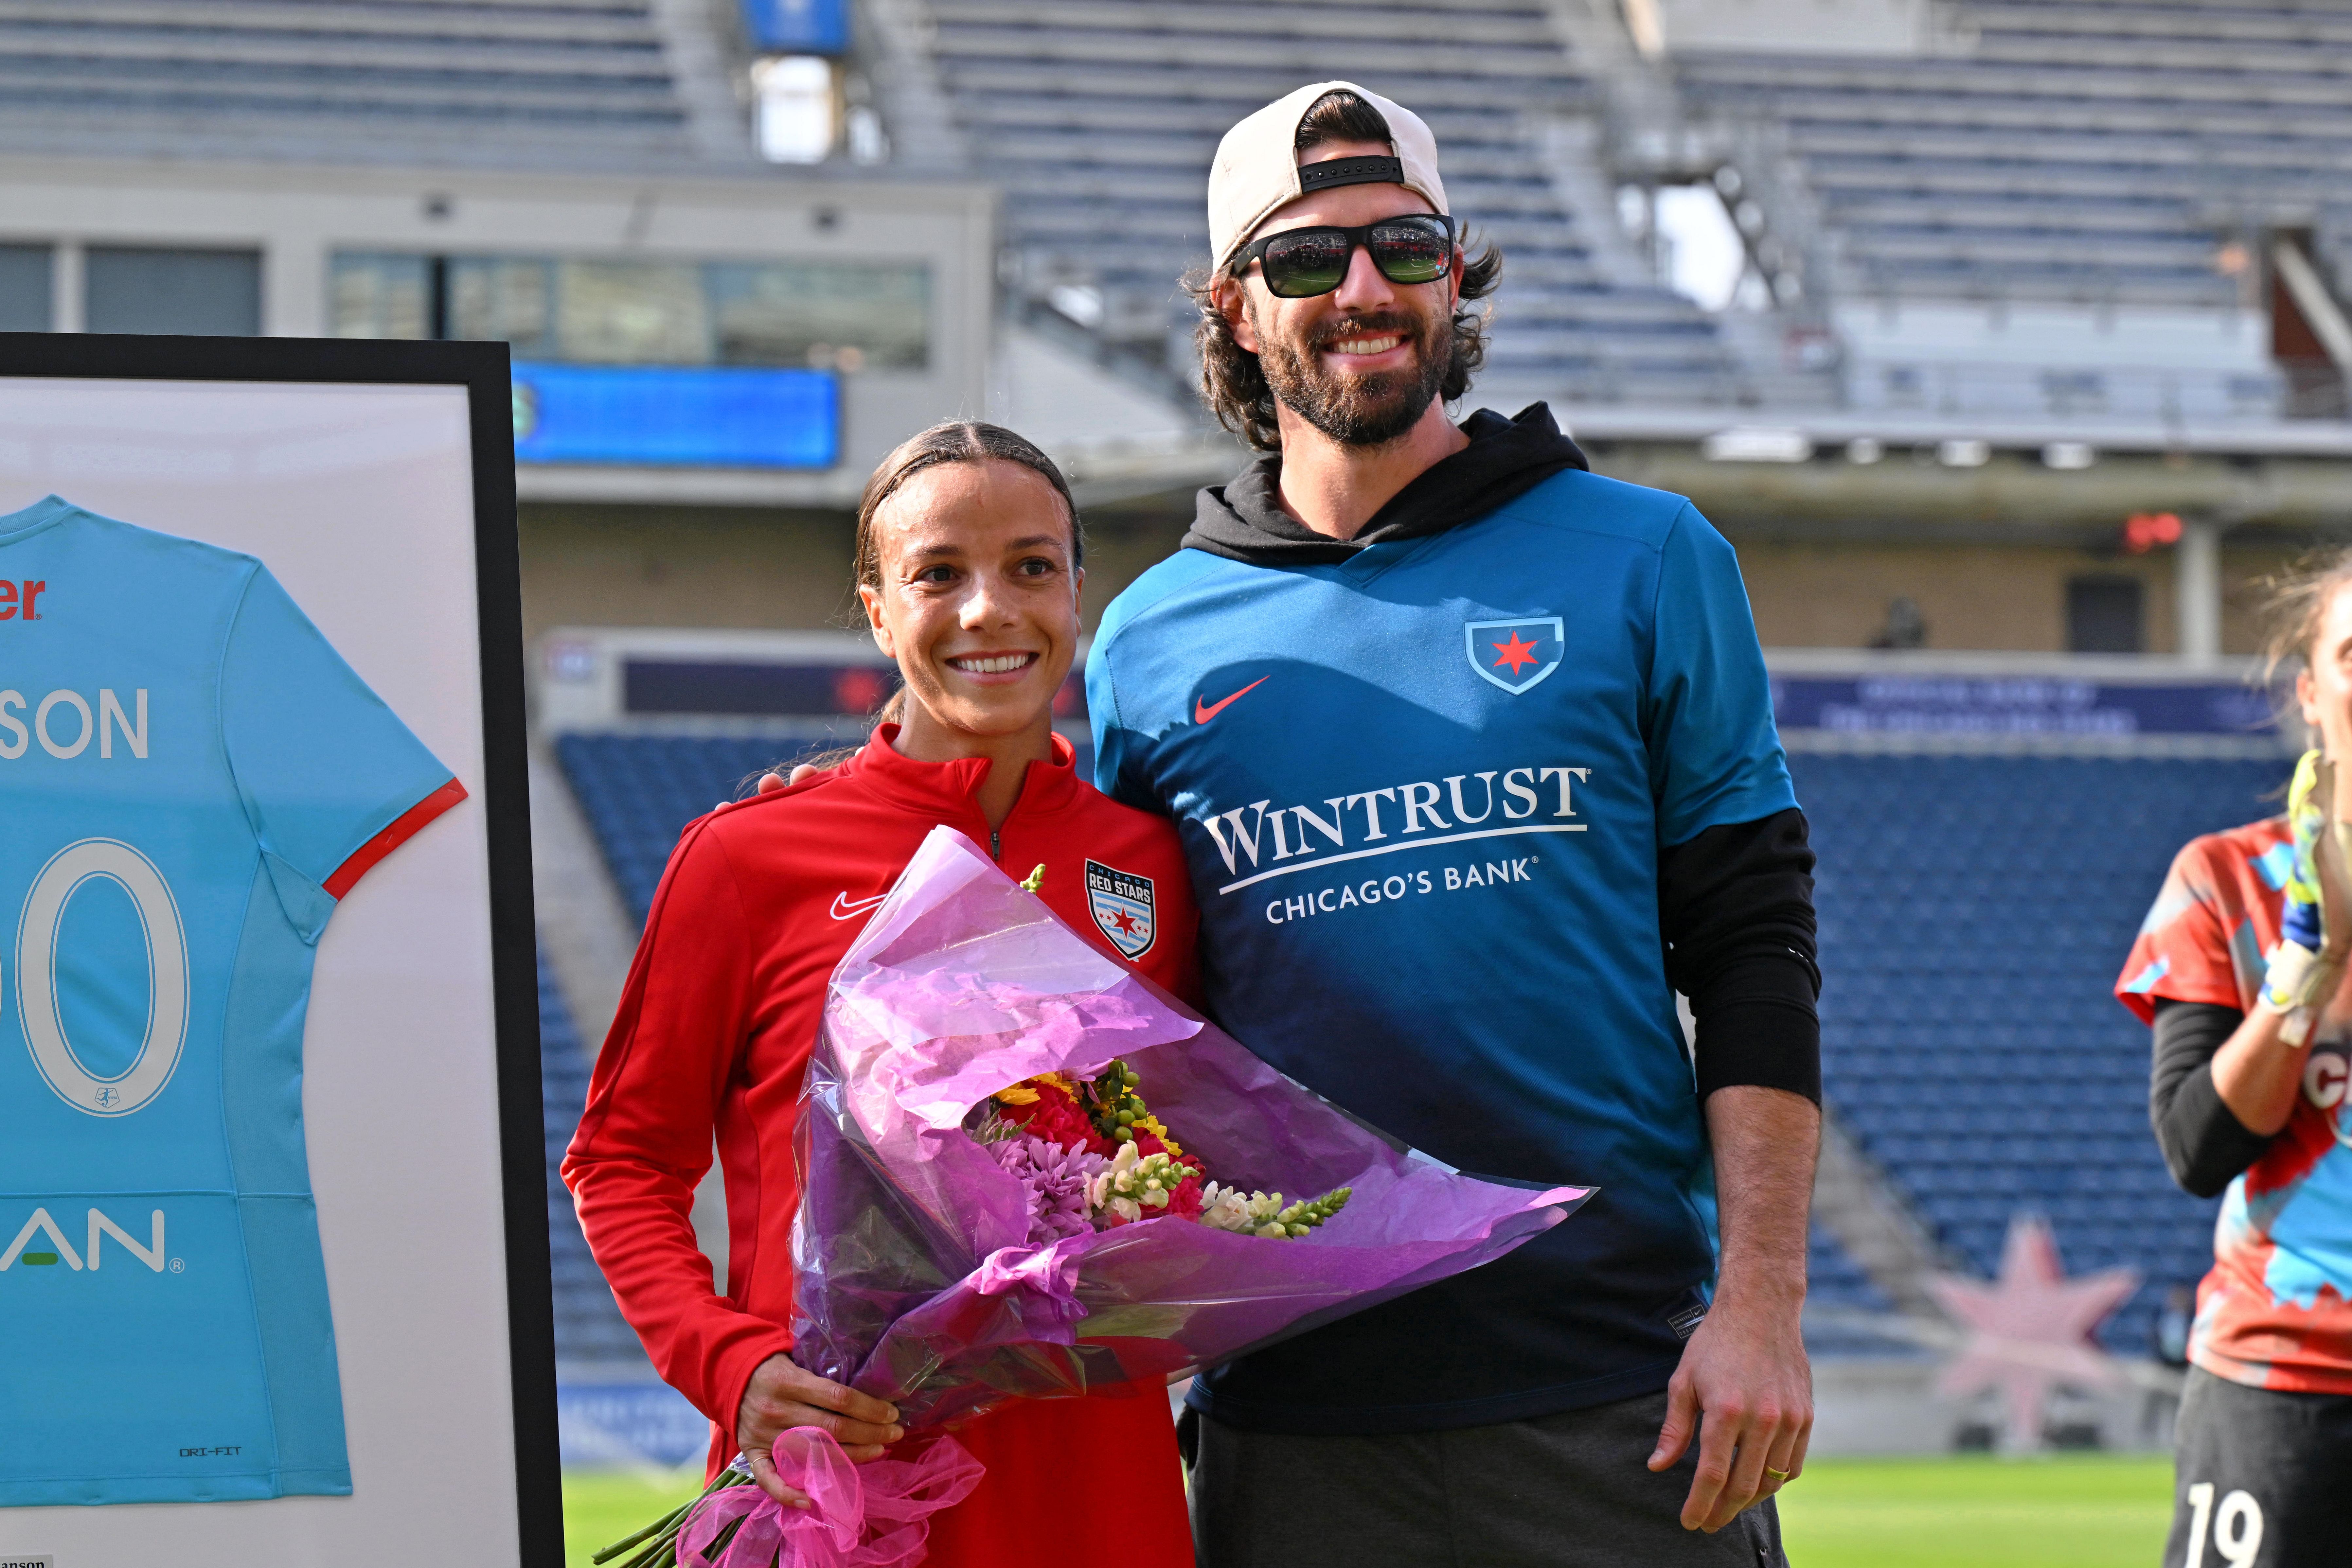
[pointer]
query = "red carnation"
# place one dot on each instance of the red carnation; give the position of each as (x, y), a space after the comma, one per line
(1184, 1199)
(1056, 1117)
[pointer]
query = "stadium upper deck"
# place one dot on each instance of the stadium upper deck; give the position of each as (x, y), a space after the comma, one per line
(601, 85)
(2085, 157)
(2097, 152)
(1098, 119)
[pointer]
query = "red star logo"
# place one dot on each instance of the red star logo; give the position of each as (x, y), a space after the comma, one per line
(2031, 1328)
(1514, 653)
(1125, 922)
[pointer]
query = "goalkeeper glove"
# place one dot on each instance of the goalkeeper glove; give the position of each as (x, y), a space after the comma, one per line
(2316, 926)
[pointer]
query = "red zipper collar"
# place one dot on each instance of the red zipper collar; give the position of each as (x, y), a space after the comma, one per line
(952, 786)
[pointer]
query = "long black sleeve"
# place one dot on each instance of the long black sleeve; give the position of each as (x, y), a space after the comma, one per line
(1736, 911)
(2205, 1145)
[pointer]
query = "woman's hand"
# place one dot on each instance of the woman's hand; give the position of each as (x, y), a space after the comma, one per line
(783, 1396)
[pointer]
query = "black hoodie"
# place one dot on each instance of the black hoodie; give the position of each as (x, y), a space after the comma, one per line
(1735, 902)
(1505, 458)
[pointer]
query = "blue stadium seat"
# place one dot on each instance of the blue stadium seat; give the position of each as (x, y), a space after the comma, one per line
(1838, 1293)
(640, 791)
(1975, 912)
(589, 1329)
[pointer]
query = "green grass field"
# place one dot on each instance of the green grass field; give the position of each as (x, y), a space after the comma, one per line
(2074, 1510)
(600, 1507)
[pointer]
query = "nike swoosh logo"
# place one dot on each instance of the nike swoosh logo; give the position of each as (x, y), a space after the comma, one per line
(845, 908)
(1204, 712)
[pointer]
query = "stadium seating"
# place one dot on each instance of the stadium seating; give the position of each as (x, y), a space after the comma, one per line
(589, 1330)
(1100, 117)
(1839, 1300)
(1975, 913)
(2083, 153)
(640, 791)
(580, 83)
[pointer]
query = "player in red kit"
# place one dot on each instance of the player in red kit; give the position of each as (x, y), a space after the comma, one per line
(969, 565)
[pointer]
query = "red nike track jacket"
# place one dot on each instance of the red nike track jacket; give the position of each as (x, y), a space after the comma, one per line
(760, 900)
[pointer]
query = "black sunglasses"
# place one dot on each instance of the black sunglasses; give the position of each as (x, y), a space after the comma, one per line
(1299, 263)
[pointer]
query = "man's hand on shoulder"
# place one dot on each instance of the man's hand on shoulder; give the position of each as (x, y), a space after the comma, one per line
(771, 781)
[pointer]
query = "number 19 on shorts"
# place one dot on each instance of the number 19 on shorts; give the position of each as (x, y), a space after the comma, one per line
(2234, 1530)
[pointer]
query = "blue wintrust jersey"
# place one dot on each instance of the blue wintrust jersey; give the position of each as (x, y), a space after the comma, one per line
(191, 778)
(1422, 792)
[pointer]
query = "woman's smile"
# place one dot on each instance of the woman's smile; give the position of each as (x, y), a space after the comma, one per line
(993, 669)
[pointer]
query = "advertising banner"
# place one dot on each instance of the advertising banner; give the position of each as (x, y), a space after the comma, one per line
(273, 1251)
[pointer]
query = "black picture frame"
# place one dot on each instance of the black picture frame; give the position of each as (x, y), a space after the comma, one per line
(483, 370)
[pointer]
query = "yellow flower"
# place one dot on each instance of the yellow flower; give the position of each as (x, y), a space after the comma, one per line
(1022, 1094)
(1152, 1124)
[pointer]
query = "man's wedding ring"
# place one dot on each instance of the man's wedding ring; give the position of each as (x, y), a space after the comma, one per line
(1779, 1477)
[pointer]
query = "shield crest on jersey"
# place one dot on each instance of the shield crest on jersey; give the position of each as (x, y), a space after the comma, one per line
(1123, 907)
(1515, 655)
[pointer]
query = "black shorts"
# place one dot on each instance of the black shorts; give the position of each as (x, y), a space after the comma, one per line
(2261, 1479)
(1572, 1490)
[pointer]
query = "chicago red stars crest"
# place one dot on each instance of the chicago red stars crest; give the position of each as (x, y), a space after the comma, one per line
(1122, 906)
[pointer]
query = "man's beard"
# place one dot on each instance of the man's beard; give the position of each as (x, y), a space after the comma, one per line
(1359, 411)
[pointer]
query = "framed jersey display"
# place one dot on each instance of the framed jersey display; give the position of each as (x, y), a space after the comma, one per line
(273, 1234)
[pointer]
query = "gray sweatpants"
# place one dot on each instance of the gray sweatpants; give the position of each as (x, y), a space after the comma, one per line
(1560, 1491)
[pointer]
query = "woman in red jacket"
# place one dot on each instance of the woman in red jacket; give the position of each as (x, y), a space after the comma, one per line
(969, 565)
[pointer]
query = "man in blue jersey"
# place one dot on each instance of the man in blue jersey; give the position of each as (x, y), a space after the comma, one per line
(1473, 757)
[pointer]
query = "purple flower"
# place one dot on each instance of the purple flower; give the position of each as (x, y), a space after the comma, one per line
(1057, 1179)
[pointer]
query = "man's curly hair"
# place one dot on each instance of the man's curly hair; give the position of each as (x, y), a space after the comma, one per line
(1233, 383)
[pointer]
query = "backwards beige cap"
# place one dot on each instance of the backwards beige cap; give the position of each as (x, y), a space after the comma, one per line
(1257, 171)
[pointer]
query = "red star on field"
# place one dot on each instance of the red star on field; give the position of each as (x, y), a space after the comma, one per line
(1514, 653)
(1124, 921)
(2030, 1329)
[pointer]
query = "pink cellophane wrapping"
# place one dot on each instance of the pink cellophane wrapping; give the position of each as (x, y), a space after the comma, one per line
(859, 1516)
(916, 1281)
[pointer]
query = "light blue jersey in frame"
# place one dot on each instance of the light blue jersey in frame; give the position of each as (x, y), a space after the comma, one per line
(190, 779)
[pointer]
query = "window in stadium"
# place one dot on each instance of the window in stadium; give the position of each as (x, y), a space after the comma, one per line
(25, 304)
(819, 315)
(215, 293)
(1700, 253)
(380, 296)
(2103, 615)
(815, 313)
(799, 101)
